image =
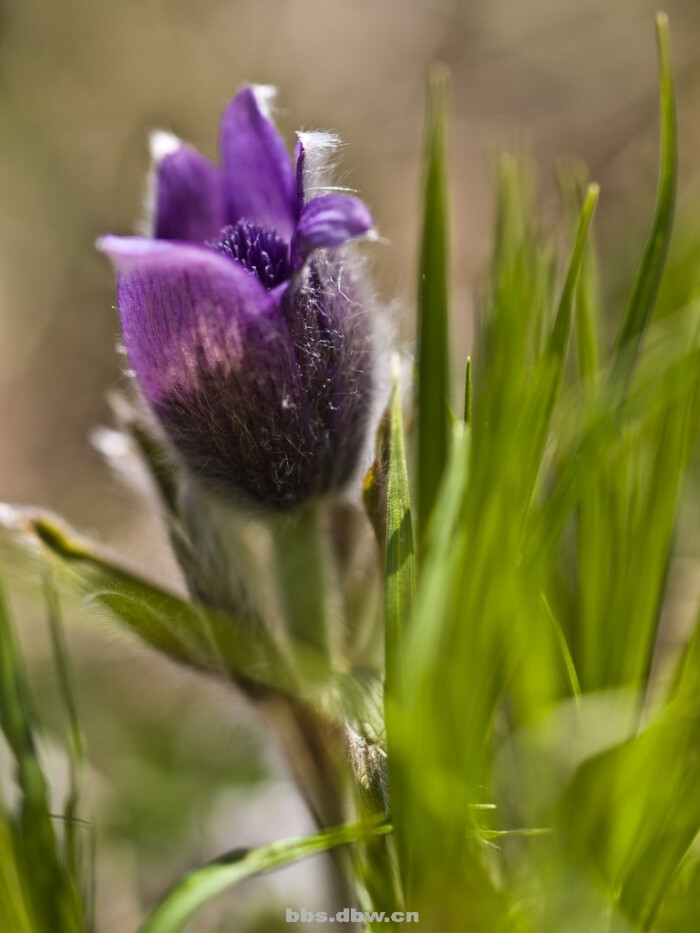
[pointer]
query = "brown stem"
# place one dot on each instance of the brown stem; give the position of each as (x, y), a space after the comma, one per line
(307, 742)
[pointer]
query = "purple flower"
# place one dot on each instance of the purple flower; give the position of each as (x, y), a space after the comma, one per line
(244, 323)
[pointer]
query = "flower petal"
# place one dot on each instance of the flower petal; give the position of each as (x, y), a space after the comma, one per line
(259, 179)
(181, 306)
(328, 221)
(214, 359)
(333, 338)
(189, 203)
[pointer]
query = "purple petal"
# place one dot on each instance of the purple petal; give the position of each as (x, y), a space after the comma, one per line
(181, 306)
(214, 359)
(330, 220)
(189, 201)
(259, 179)
(333, 340)
(299, 162)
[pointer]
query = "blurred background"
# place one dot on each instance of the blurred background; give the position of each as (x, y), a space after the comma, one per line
(82, 82)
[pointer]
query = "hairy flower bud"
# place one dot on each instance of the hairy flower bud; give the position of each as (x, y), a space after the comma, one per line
(243, 321)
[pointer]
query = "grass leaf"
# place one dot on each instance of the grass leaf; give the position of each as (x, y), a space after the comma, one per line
(183, 901)
(50, 893)
(399, 597)
(433, 377)
(400, 555)
(651, 266)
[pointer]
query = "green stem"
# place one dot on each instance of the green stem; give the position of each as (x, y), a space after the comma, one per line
(302, 579)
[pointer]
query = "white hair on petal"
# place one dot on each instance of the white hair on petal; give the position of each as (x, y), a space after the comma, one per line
(319, 148)
(163, 143)
(265, 95)
(121, 455)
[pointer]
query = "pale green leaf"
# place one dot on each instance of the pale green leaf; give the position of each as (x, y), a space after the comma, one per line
(187, 897)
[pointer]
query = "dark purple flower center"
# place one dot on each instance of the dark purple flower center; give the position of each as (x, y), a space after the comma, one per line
(260, 249)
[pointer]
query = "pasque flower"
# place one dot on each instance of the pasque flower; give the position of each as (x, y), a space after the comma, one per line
(243, 319)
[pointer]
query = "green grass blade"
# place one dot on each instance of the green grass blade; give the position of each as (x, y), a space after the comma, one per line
(52, 897)
(400, 555)
(427, 791)
(587, 318)
(539, 406)
(202, 885)
(573, 179)
(666, 374)
(567, 659)
(73, 831)
(62, 665)
(651, 266)
(444, 549)
(653, 534)
(559, 336)
(433, 378)
(398, 602)
(468, 393)
(14, 914)
(626, 824)
(680, 911)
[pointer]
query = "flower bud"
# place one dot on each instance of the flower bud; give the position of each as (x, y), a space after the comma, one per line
(243, 319)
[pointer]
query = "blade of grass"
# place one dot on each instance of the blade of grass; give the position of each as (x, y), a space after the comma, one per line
(539, 407)
(398, 605)
(468, 393)
(573, 184)
(559, 336)
(637, 314)
(444, 549)
(73, 831)
(568, 661)
(197, 889)
(653, 533)
(52, 898)
(433, 377)
(400, 555)
(651, 266)
(630, 828)
(14, 915)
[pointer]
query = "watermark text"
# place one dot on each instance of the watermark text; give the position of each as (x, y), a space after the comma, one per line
(350, 915)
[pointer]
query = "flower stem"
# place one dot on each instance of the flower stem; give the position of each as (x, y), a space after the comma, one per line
(302, 582)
